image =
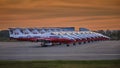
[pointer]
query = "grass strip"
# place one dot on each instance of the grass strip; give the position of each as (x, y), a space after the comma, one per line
(61, 64)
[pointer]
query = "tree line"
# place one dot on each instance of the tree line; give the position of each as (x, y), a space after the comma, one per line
(113, 34)
(4, 35)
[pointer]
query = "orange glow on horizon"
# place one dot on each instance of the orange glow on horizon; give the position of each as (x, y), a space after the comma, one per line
(94, 15)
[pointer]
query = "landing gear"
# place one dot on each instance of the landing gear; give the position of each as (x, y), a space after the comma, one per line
(44, 46)
(88, 41)
(60, 43)
(74, 44)
(79, 43)
(67, 45)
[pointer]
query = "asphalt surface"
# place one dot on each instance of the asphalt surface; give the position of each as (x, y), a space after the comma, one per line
(103, 50)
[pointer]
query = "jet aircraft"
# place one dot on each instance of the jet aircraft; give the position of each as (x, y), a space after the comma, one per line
(55, 36)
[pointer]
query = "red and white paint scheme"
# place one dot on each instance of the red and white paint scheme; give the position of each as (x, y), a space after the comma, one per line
(52, 36)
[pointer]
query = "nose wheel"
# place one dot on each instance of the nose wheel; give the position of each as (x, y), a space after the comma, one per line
(74, 44)
(79, 43)
(67, 45)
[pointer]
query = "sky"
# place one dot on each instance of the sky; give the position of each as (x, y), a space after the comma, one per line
(91, 14)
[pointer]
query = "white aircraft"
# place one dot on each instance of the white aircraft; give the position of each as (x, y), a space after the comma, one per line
(52, 36)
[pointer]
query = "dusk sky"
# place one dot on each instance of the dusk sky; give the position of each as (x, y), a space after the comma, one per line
(91, 14)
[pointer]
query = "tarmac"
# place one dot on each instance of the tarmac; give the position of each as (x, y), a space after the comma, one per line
(102, 50)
